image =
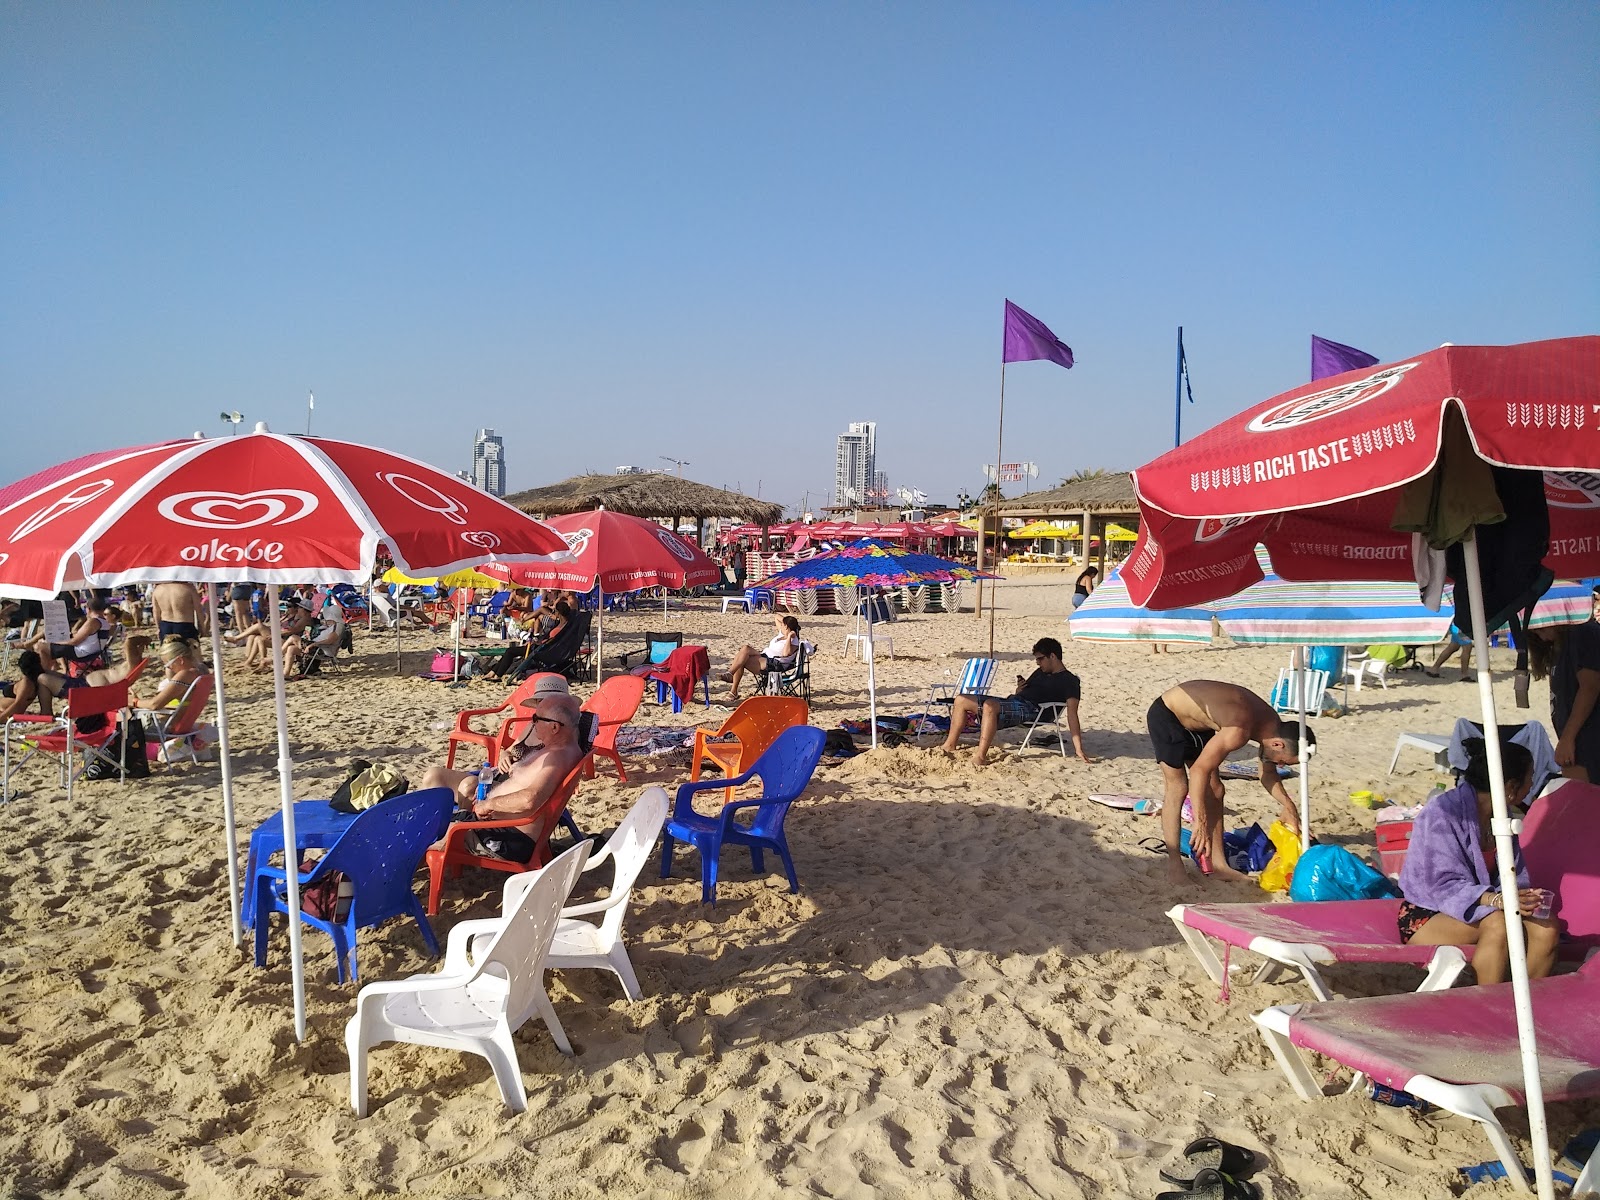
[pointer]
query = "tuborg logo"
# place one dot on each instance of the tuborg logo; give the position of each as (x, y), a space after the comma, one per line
(675, 546)
(60, 507)
(1329, 402)
(1211, 528)
(238, 510)
(578, 541)
(1572, 489)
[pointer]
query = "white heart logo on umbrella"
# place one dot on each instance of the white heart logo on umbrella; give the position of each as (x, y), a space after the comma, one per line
(76, 498)
(482, 539)
(425, 496)
(238, 510)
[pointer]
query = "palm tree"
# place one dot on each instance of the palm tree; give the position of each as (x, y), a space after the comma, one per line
(1084, 475)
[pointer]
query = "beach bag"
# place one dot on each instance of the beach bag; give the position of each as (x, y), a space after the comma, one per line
(1333, 873)
(369, 785)
(328, 899)
(1247, 850)
(1280, 868)
(128, 743)
(444, 664)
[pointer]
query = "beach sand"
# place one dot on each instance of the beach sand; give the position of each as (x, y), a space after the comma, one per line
(976, 992)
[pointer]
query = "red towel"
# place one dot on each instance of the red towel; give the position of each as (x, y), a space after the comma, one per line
(683, 668)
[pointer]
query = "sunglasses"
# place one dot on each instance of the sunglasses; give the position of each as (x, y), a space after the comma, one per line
(550, 721)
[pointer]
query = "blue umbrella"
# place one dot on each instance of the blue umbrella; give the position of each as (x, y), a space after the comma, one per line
(869, 563)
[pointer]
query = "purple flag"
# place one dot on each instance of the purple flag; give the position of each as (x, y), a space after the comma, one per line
(1332, 358)
(1027, 337)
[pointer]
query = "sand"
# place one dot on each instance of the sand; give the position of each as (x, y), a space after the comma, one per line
(976, 992)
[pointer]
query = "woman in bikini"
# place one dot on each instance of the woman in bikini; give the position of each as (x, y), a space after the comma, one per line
(779, 654)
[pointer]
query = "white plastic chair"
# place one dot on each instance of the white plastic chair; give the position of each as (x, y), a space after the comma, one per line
(474, 1007)
(583, 943)
(977, 676)
(1050, 718)
(1359, 668)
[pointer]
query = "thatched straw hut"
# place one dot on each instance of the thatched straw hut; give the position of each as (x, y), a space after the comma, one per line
(651, 496)
(1094, 502)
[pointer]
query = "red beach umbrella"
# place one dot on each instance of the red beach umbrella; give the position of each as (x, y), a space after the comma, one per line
(265, 506)
(619, 552)
(1321, 476)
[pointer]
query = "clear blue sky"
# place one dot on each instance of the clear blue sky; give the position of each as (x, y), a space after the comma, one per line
(619, 231)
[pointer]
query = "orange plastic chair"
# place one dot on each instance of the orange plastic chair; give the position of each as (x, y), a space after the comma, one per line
(755, 725)
(450, 854)
(614, 704)
(464, 734)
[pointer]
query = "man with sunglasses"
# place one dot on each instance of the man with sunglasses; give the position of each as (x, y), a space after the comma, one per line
(1050, 683)
(532, 768)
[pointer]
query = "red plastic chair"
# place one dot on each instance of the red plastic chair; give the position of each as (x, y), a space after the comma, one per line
(464, 734)
(109, 700)
(450, 855)
(614, 704)
(754, 726)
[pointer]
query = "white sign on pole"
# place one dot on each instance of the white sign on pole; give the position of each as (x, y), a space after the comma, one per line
(56, 626)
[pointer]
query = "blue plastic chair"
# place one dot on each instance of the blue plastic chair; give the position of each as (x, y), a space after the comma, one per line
(379, 855)
(785, 770)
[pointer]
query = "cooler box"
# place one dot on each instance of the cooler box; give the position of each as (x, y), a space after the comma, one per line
(1394, 839)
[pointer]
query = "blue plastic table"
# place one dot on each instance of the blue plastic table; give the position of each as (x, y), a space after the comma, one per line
(317, 825)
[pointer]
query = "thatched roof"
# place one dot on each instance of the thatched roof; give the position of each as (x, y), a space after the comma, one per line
(1101, 494)
(654, 495)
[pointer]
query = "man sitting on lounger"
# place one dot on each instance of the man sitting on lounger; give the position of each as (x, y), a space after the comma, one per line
(531, 771)
(1193, 727)
(1050, 683)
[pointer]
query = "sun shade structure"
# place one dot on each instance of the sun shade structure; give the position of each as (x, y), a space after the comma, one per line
(1334, 476)
(652, 495)
(278, 509)
(870, 564)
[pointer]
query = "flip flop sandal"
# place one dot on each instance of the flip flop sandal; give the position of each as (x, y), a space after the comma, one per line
(1209, 1153)
(1214, 1185)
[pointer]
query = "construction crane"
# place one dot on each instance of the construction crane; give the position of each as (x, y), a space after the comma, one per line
(680, 463)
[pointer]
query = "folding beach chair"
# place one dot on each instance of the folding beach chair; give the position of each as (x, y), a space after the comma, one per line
(1455, 1049)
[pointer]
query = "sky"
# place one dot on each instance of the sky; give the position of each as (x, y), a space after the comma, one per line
(619, 233)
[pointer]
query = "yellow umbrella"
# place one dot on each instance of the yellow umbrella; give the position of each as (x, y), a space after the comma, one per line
(456, 579)
(1044, 529)
(1121, 533)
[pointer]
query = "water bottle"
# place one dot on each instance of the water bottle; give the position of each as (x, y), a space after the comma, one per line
(1394, 1097)
(485, 778)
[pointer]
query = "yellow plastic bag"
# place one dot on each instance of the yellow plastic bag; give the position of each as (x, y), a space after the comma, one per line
(1275, 877)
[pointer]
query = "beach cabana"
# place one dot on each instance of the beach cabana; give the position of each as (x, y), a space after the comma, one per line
(653, 495)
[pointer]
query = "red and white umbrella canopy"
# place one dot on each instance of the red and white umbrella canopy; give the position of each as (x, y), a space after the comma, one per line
(265, 506)
(1314, 474)
(624, 553)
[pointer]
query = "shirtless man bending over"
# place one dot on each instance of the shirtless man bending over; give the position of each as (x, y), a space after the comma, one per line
(535, 767)
(1193, 728)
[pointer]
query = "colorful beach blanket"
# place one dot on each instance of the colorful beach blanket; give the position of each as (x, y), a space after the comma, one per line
(648, 741)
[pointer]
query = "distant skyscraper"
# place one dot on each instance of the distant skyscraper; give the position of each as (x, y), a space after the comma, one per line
(489, 462)
(855, 474)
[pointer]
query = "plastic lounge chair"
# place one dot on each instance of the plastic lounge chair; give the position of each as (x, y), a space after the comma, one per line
(474, 1007)
(452, 852)
(614, 703)
(584, 944)
(464, 735)
(1434, 743)
(1558, 837)
(794, 680)
(1455, 1049)
(754, 726)
(1359, 667)
(62, 739)
(180, 723)
(378, 854)
(658, 647)
(785, 770)
(1049, 718)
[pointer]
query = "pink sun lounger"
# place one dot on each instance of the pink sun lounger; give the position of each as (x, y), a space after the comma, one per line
(1560, 843)
(1455, 1049)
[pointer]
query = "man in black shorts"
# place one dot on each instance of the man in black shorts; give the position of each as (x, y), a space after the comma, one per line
(1193, 728)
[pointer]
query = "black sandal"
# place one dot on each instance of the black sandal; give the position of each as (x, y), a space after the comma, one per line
(1214, 1185)
(1213, 1154)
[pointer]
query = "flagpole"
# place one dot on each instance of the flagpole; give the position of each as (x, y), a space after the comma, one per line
(311, 403)
(1177, 395)
(999, 457)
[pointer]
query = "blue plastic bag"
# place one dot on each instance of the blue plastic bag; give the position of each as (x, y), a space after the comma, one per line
(1248, 850)
(1333, 873)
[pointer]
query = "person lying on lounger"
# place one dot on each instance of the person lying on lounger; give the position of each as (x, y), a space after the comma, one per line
(1451, 878)
(1193, 728)
(532, 769)
(1050, 683)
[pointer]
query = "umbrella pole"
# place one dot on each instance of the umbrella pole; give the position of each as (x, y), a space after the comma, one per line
(455, 661)
(230, 852)
(1505, 857)
(291, 858)
(872, 675)
(600, 627)
(1305, 749)
(399, 667)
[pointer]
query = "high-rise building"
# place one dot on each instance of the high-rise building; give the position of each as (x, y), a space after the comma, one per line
(855, 474)
(489, 462)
